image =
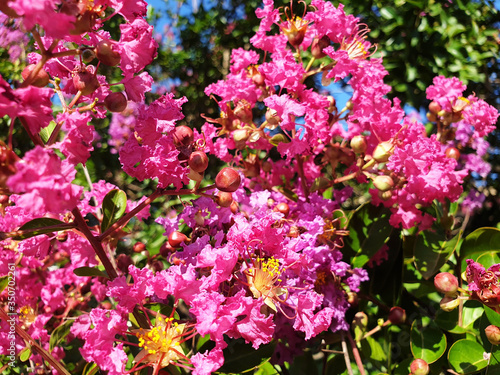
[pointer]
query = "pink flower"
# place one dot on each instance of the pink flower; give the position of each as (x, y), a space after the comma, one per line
(129, 9)
(445, 91)
(136, 86)
(45, 182)
(241, 59)
(285, 110)
(136, 46)
(31, 104)
(482, 117)
(283, 71)
(77, 143)
(330, 21)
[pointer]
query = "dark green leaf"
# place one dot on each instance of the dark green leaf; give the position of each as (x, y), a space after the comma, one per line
(40, 226)
(427, 340)
(240, 357)
(113, 207)
(90, 271)
(432, 250)
(480, 241)
(59, 334)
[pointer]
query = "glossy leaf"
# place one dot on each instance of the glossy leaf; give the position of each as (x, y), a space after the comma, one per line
(25, 354)
(240, 357)
(90, 271)
(40, 226)
(59, 334)
(480, 241)
(113, 207)
(427, 341)
(432, 250)
(369, 230)
(466, 357)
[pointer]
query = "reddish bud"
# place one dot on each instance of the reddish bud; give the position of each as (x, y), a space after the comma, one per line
(40, 80)
(183, 136)
(84, 23)
(434, 107)
(446, 283)
(234, 207)
(352, 298)
(115, 102)
(228, 180)
(282, 208)
(267, 166)
(419, 367)
(139, 247)
(224, 199)
(157, 266)
(358, 144)
(318, 45)
(452, 153)
(258, 79)
(397, 315)
(493, 334)
(106, 305)
(105, 53)
(198, 161)
(176, 239)
(85, 82)
(123, 262)
(62, 236)
(166, 249)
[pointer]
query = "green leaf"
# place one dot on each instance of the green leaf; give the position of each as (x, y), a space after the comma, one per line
(493, 316)
(40, 226)
(59, 334)
(482, 240)
(432, 251)
(90, 369)
(90, 271)
(25, 354)
(4, 281)
(466, 356)
(240, 357)
(369, 230)
(427, 341)
(47, 131)
(113, 207)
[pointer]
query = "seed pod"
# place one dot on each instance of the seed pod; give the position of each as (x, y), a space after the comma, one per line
(115, 102)
(382, 152)
(419, 367)
(105, 53)
(358, 144)
(397, 315)
(383, 183)
(446, 283)
(198, 161)
(183, 136)
(228, 180)
(85, 82)
(493, 334)
(224, 199)
(176, 239)
(282, 208)
(40, 80)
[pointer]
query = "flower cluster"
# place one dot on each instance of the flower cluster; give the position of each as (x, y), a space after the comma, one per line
(259, 255)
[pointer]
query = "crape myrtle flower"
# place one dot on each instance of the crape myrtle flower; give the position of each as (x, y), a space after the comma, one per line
(484, 285)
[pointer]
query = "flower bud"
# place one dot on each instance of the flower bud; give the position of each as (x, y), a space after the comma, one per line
(397, 315)
(434, 107)
(358, 144)
(272, 118)
(452, 153)
(166, 249)
(183, 136)
(419, 367)
(385, 195)
(176, 239)
(383, 183)
(446, 283)
(383, 151)
(198, 161)
(139, 247)
(115, 102)
(195, 176)
(88, 55)
(105, 53)
(228, 180)
(85, 82)
(449, 303)
(241, 135)
(282, 208)
(318, 45)
(123, 261)
(224, 199)
(40, 80)
(493, 334)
